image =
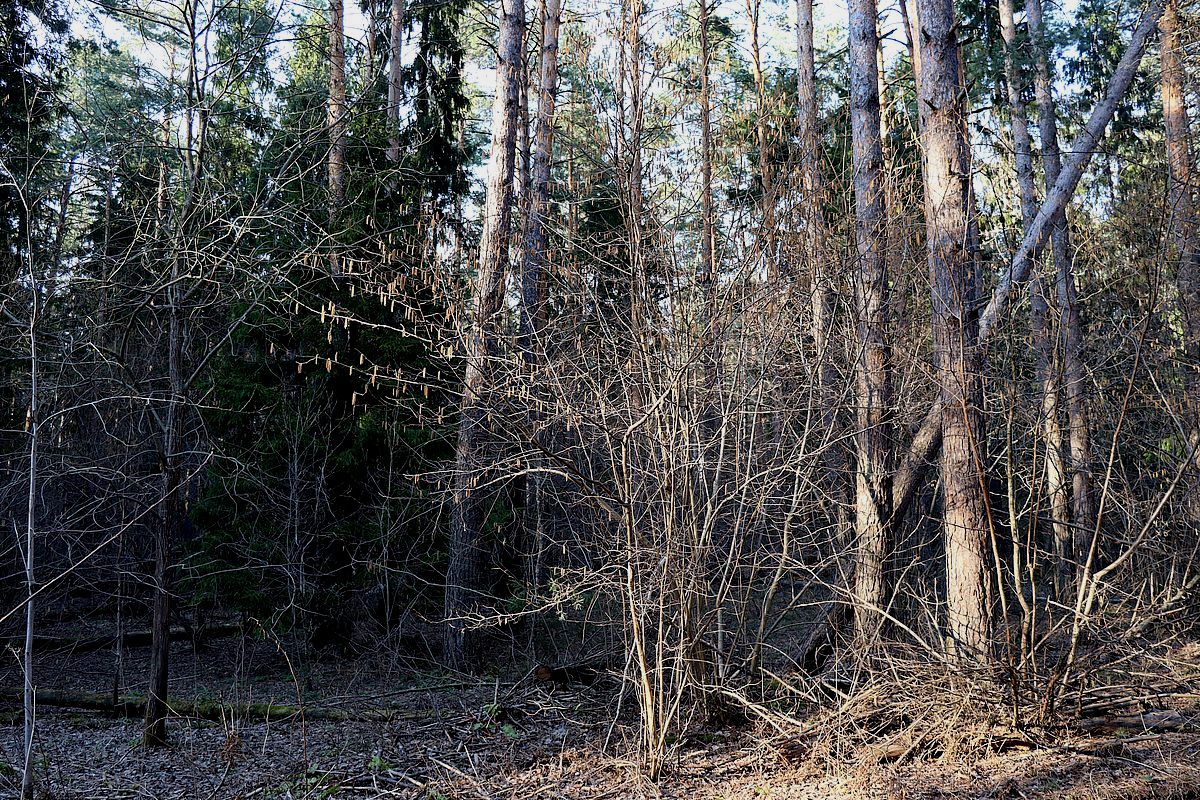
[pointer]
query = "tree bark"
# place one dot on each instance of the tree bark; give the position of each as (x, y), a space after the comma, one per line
(765, 241)
(706, 269)
(1184, 232)
(395, 65)
(533, 314)
(873, 490)
(1072, 548)
(335, 121)
(1043, 339)
(465, 592)
(813, 256)
(955, 333)
(928, 438)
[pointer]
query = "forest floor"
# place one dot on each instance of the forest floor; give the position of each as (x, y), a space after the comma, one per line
(433, 736)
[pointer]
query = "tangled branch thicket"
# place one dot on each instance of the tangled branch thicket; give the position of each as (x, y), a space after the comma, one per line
(850, 391)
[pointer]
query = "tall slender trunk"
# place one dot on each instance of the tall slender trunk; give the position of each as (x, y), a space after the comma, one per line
(813, 254)
(873, 491)
(706, 269)
(629, 157)
(335, 121)
(395, 66)
(465, 592)
(1083, 506)
(1183, 229)
(154, 730)
(533, 288)
(166, 530)
(765, 241)
(1040, 318)
(532, 278)
(955, 333)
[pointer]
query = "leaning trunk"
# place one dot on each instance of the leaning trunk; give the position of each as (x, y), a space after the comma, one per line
(1042, 332)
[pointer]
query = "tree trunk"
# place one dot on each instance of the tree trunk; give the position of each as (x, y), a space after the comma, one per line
(1039, 309)
(873, 491)
(395, 64)
(533, 279)
(465, 592)
(955, 333)
(335, 120)
(813, 255)
(1184, 231)
(928, 439)
(765, 241)
(706, 272)
(1070, 548)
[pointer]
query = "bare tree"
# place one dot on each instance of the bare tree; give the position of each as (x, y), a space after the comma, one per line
(335, 121)
(468, 548)
(955, 332)
(1183, 224)
(395, 67)
(873, 491)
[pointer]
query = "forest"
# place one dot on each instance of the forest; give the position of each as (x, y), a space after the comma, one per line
(548, 399)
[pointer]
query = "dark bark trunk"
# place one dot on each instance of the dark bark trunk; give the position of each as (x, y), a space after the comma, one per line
(469, 549)
(533, 287)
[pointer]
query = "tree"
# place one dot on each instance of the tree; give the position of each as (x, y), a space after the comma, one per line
(955, 334)
(468, 548)
(533, 278)
(1182, 210)
(1070, 550)
(336, 123)
(395, 82)
(873, 512)
(1041, 321)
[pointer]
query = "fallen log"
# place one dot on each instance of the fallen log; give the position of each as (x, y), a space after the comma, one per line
(1148, 722)
(90, 644)
(213, 710)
